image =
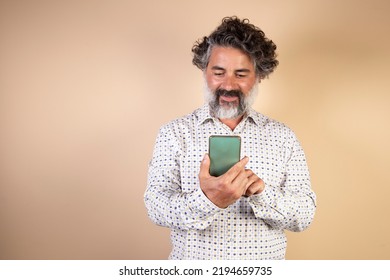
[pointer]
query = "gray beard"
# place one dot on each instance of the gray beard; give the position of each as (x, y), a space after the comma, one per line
(230, 110)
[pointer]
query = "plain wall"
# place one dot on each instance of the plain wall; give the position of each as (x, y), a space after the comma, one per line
(85, 85)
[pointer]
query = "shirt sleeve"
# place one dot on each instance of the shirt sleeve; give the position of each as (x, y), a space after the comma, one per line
(165, 201)
(292, 204)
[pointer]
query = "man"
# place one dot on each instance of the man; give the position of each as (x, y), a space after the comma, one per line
(243, 213)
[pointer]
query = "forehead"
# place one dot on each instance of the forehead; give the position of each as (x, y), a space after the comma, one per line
(228, 57)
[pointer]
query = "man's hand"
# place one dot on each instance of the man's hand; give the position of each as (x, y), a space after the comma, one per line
(229, 187)
(255, 185)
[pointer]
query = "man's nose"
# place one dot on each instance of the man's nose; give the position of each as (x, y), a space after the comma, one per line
(230, 83)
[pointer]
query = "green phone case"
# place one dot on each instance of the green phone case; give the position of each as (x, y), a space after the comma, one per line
(224, 152)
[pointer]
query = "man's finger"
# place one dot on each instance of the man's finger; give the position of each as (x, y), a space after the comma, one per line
(236, 169)
(205, 166)
(255, 186)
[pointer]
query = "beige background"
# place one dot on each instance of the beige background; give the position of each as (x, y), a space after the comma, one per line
(85, 85)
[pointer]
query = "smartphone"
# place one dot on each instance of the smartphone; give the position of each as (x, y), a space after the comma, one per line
(224, 152)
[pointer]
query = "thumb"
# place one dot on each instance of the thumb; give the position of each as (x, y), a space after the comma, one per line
(205, 166)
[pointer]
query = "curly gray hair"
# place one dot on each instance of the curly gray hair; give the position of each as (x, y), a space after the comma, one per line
(242, 35)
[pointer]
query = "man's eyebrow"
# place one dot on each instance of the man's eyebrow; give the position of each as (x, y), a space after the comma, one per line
(223, 69)
(217, 68)
(243, 70)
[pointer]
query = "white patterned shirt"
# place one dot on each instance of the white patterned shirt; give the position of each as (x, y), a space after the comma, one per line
(251, 228)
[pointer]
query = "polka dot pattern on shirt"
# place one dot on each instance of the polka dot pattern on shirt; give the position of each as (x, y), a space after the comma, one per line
(251, 228)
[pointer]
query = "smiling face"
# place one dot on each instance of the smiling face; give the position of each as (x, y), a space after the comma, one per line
(231, 82)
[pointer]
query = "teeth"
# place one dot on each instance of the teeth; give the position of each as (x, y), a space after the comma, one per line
(229, 99)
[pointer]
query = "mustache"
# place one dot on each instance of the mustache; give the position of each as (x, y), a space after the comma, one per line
(228, 93)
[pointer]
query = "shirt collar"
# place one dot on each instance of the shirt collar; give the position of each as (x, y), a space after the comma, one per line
(203, 115)
(256, 117)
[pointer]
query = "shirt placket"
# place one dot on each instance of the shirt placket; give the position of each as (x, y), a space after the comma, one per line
(229, 234)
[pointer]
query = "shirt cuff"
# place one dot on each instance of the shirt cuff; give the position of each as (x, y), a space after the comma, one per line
(204, 203)
(266, 198)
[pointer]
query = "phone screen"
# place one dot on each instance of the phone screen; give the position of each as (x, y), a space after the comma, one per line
(224, 152)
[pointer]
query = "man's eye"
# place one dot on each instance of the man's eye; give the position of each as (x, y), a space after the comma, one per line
(218, 73)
